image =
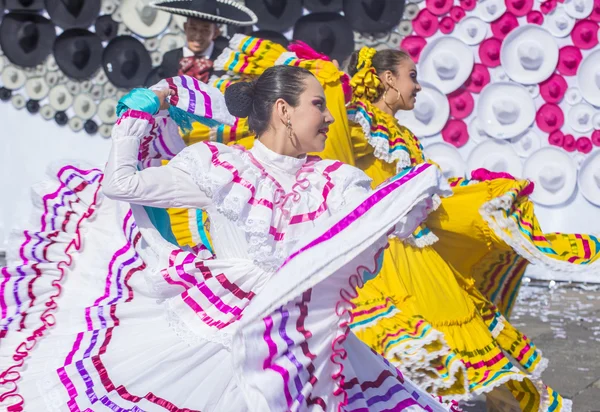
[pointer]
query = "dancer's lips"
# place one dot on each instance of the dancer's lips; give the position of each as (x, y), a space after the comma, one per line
(324, 130)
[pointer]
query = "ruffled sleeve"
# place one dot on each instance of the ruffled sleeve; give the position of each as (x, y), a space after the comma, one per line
(167, 186)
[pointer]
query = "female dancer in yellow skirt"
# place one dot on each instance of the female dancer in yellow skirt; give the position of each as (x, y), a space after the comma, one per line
(424, 310)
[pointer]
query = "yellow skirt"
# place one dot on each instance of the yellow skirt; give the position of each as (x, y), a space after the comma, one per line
(421, 314)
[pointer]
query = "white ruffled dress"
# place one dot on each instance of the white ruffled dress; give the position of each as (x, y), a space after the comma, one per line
(99, 312)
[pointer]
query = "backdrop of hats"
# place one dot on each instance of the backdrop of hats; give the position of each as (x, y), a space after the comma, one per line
(512, 86)
(74, 59)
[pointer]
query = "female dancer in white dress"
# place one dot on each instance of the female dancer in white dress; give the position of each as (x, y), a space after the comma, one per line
(99, 312)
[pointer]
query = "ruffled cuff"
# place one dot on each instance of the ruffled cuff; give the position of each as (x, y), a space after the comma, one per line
(133, 124)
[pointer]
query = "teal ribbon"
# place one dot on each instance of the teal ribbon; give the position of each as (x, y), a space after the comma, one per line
(143, 100)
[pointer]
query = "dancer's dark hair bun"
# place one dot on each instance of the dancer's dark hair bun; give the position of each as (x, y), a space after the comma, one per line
(239, 98)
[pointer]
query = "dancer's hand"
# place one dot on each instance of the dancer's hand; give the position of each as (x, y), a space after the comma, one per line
(162, 97)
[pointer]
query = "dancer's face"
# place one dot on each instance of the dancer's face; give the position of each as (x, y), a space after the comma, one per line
(405, 81)
(309, 120)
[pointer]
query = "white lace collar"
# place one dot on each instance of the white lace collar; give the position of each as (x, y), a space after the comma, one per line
(268, 157)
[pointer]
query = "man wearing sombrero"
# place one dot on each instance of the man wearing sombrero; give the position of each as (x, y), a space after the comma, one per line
(202, 34)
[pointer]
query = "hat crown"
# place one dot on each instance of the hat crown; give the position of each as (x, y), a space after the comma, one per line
(506, 111)
(596, 176)
(275, 7)
(146, 13)
(552, 178)
(373, 8)
(491, 8)
(446, 65)
(81, 53)
(29, 36)
(131, 64)
(531, 55)
(74, 7)
(472, 29)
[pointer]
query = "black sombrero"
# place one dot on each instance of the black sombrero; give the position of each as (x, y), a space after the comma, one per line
(321, 6)
(373, 16)
(218, 11)
(327, 33)
(276, 15)
(69, 14)
(26, 38)
(126, 62)
(78, 53)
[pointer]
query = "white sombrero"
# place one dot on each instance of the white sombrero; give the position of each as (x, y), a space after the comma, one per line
(84, 106)
(588, 78)
(573, 96)
(505, 110)
(18, 101)
(471, 30)
(448, 158)
(446, 63)
(580, 117)
(529, 54)
(107, 111)
(37, 88)
(430, 113)
(143, 19)
(554, 173)
(527, 143)
(59, 98)
(13, 78)
(495, 156)
(558, 22)
(490, 10)
(589, 178)
(579, 9)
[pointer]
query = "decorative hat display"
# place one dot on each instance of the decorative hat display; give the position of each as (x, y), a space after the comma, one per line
(107, 111)
(430, 113)
(529, 54)
(170, 42)
(143, 19)
(319, 6)
(272, 36)
(13, 78)
(448, 158)
(69, 14)
(589, 178)
(579, 9)
(554, 88)
(461, 103)
(585, 34)
(495, 156)
(24, 5)
(106, 28)
(559, 23)
(479, 78)
(373, 16)
(471, 30)
(588, 78)
(580, 117)
(476, 132)
(277, 15)
(446, 63)
(84, 106)
(490, 10)
(26, 38)
(554, 173)
(505, 110)
(527, 143)
(36, 88)
(126, 62)
(456, 132)
(60, 98)
(78, 53)
(327, 33)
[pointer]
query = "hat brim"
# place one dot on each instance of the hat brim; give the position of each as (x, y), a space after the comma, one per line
(500, 149)
(551, 156)
(64, 19)
(443, 153)
(585, 179)
(230, 12)
(440, 116)
(585, 78)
